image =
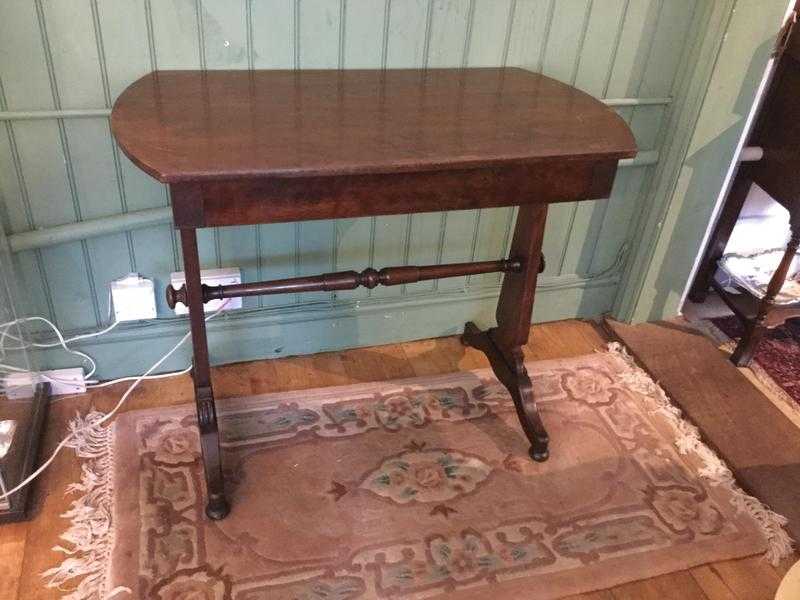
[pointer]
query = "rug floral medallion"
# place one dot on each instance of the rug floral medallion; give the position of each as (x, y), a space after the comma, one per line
(417, 489)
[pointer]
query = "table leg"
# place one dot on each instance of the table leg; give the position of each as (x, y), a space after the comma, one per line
(503, 344)
(733, 204)
(756, 327)
(217, 506)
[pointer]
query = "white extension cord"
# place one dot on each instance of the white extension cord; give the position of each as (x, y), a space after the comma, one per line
(61, 342)
(24, 345)
(109, 415)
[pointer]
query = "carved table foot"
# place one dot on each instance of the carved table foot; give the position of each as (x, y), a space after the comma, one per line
(217, 508)
(509, 368)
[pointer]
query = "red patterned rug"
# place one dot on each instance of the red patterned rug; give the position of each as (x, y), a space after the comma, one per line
(410, 489)
(778, 354)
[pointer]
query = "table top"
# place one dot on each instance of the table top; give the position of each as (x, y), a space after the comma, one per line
(181, 126)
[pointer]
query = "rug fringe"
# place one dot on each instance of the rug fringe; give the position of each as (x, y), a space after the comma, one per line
(714, 469)
(90, 537)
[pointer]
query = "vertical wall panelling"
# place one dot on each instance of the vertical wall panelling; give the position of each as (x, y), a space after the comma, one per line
(278, 259)
(175, 34)
(364, 33)
(16, 210)
(69, 266)
(115, 153)
(604, 21)
(273, 33)
(66, 56)
(528, 33)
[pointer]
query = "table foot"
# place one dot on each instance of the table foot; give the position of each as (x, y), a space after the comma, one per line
(509, 368)
(539, 451)
(217, 508)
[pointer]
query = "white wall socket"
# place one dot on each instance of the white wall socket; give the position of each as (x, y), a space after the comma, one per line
(62, 381)
(133, 298)
(227, 276)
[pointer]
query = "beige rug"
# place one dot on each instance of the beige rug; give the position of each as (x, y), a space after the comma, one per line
(415, 489)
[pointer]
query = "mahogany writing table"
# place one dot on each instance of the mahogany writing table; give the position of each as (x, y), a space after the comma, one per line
(249, 147)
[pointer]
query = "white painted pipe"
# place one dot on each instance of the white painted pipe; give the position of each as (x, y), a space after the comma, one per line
(751, 154)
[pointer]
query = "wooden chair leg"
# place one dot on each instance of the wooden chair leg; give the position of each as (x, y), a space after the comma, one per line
(217, 506)
(503, 344)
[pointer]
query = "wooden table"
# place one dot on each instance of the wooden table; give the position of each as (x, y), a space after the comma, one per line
(248, 147)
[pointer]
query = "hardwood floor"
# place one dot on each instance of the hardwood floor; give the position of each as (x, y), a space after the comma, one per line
(25, 547)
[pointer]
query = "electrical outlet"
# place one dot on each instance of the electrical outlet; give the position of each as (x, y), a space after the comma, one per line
(62, 381)
(133, 298)
(211, 277)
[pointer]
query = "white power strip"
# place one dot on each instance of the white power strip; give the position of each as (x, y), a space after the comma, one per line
(62, 381)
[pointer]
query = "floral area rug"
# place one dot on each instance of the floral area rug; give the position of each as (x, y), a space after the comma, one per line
(777, 356)
(411, 489)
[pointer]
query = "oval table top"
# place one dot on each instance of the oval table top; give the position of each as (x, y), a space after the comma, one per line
(181, 126)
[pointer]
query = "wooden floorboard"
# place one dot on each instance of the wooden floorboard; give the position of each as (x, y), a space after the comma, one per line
(674, 586)
(25, 548)
(756, 439)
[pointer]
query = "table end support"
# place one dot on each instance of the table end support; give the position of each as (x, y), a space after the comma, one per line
(503, 344)
(509, 368)
(217, 507)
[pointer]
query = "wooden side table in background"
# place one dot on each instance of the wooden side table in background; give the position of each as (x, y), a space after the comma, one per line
(777, 133)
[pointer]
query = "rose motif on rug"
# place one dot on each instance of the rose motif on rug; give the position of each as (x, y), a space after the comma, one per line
(413, 408)
(589, 385)
(459, 559)
(404, 410)
(174, 444)
(408, 407)
(426, 476)
(685, 510)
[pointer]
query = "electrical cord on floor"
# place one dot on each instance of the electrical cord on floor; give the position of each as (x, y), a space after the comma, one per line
(91, 384)
(61, 342)
(24, 345)
(94, 386)
(108, 416)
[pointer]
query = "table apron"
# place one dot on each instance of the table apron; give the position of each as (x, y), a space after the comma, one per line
(250, 201)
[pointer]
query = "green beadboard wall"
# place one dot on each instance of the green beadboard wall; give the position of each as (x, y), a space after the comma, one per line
(62, 64)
